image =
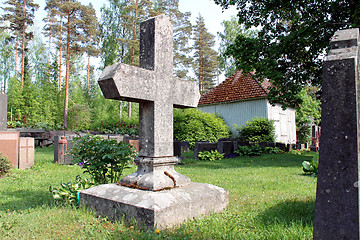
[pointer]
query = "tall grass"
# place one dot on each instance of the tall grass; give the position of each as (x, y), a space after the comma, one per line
(270, 198)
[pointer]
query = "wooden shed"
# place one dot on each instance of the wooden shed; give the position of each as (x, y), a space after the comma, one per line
(241, 97)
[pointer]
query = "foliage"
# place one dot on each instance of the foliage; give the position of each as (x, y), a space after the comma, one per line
(205, 58)
(293, 37)
(79, 117)
(307, 114)
(257, 130)
(67, 194)
(192, 125)
(256, 150)
(232, 29)
(212, 155)
(312, 166)
(5, 165)
(182, 35)
(103, 159)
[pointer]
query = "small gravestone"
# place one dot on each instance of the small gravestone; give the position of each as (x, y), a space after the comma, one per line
(203, 146)
(225, 147)
(155, 195)
(337, 195)
(3, 111)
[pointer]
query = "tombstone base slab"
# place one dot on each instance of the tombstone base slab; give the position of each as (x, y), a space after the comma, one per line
(162, 209)
(155, 174)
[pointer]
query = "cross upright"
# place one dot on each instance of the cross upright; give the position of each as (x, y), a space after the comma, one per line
(157, 91)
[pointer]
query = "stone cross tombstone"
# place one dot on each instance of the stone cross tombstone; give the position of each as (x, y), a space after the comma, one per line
(3, 111)
(337, 195)
(157, 91)
(155, 195)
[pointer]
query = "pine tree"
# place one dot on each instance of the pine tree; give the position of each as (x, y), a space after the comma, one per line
(20, 13)
(74, 13)
(91, 30)
(205, 64)
(182, 33)
(121, 32)
(12, 15)
(54, 29)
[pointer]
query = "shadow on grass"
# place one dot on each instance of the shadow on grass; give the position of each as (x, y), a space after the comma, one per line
(265, 160)
(20, 200)
(289, 213)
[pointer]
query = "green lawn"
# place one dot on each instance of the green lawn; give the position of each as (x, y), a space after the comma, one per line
(270, 198)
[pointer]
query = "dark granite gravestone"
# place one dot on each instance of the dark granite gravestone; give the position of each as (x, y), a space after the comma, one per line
(203, 146)
(226, 147)
(177, 148)
(337, 195)
(3, 111)
(155, 195)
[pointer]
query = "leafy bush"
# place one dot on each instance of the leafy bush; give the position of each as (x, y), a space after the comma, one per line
(213, 155)
(5, 165)
(192, 125)
(257, 130)
(256, 150)
(249, 150)
(79, 117)
(68, 192)
(104, 160)
(311, 167)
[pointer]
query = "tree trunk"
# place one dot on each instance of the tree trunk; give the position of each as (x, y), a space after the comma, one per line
(88, 73)
(60, 51)
(16, 48)
(23, 47)
(67, 73)
(49, 57)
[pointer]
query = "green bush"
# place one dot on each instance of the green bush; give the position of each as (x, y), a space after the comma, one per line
(256, 150)
(103, 159)
(192, 125)
(257, 130)
(5, 165)
(79, 117)
(213, 155)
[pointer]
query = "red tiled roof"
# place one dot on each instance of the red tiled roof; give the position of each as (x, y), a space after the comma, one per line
(240, 86)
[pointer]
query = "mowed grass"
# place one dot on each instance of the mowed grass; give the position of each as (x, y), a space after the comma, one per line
(270, 198)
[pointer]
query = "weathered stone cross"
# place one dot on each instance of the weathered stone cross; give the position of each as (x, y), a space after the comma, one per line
(157, 92)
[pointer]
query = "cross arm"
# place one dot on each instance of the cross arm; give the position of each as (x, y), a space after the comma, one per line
(122, 82)
(185, 93)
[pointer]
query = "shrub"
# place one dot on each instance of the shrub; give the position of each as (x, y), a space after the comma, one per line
(257, 130)
(256, 150)
(79, 117)
(213, 155)
(68, 192)
(192, 125)
(5, 165)
(249, 150)
(311, 167)
(104, 160)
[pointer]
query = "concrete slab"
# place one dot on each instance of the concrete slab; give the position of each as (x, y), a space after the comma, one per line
(161, 209)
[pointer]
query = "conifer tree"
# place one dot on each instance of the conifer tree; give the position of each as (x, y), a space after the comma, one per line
(120, 31)
(20, 13)
(182, 34)
(205, 63)
(91, 30)
(54, 29)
